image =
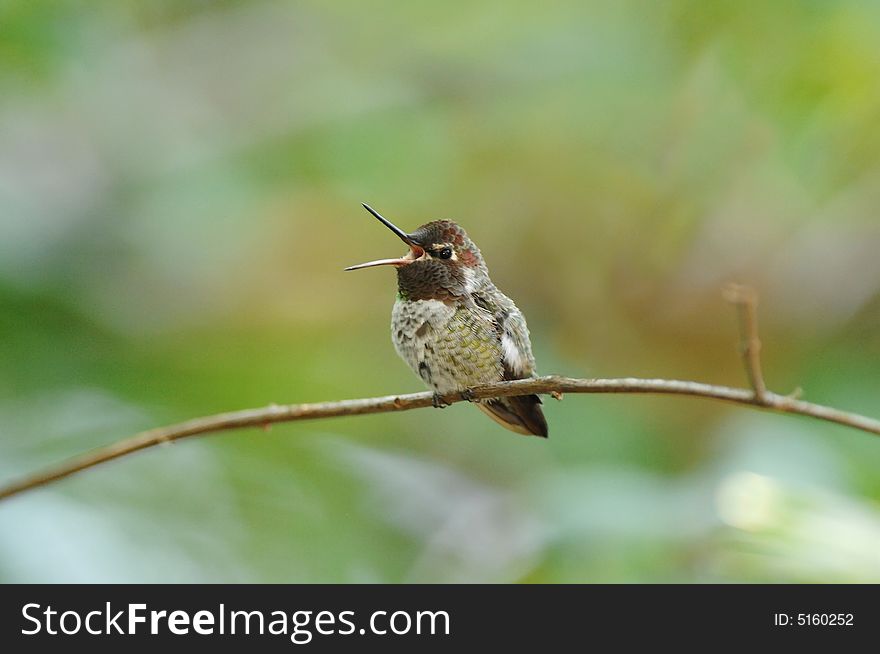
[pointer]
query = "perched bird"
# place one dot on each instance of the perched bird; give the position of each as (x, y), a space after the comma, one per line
(454, 328)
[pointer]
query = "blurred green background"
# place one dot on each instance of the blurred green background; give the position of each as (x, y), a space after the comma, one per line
(180, 188)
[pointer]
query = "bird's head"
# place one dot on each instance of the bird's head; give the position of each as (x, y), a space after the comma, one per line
(442, 262)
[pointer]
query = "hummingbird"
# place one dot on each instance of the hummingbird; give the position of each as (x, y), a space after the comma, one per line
(453, 326)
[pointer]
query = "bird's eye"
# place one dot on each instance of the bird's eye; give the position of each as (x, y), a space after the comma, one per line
(445, 253)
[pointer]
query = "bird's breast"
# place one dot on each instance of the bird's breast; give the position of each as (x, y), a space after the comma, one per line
(415, 321)
(448, 346)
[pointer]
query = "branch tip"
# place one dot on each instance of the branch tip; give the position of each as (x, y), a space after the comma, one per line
(745, 299)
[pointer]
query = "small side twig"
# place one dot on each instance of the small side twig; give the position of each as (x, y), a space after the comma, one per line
(745, 299)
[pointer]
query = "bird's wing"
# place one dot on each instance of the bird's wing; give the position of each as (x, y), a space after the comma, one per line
(516, 346)
(521, 414)
(512, 334)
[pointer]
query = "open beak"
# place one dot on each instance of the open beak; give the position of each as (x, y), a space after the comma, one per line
(415, 250)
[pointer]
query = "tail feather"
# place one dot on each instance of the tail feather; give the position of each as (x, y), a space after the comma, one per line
(521, 414)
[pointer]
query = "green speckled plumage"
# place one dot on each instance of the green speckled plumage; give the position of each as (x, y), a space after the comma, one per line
(450, 347)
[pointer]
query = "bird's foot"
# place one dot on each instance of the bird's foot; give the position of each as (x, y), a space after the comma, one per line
(439, 402)
(468, 395)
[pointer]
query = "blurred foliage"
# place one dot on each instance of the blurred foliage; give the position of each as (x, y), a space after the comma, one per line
(179, 192)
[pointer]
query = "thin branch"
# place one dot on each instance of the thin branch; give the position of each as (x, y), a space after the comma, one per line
(745, 299)
(289, 413)
(758, 397)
